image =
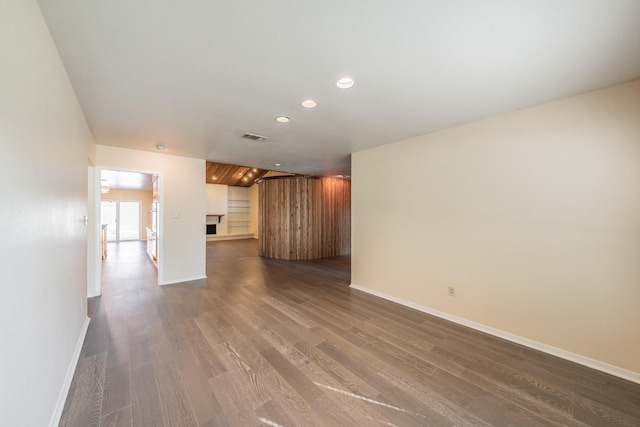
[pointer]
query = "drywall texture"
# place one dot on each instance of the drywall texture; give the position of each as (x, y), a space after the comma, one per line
(533, 217)
(43, 182)
(182, 213)
(304, 218)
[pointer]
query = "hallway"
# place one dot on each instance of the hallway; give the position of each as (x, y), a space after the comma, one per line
(278, 343)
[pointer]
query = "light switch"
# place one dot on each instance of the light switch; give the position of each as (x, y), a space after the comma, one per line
(175, 215)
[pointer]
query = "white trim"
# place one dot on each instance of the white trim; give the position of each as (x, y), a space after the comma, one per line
(62, 398)
(186, 279)
(554, 351)
(235, 236)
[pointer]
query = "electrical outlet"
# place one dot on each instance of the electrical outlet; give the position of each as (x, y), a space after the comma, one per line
(452, 291)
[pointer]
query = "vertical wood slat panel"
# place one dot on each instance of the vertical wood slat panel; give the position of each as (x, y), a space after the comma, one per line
(304, 218)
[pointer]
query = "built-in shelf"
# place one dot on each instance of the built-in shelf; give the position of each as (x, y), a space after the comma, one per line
(239, 214)
(216, 215)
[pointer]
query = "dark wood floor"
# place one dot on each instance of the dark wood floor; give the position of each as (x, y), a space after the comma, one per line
(280, 343)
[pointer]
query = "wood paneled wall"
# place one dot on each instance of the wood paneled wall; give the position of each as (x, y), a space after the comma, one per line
(304, 217)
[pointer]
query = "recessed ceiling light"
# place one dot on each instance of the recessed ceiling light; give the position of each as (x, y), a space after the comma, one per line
(277, 164)
(160, 147)
(345, 83)
(309, 103)
(282, 119)
(215, 178)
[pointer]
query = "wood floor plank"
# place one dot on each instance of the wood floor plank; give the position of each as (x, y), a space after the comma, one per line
(120, 418)
(117, 389)
(594, 415)
(97, 340)
(86, 407)
(267, 343)
(337, 327)
(238, 353)
(425, 355)
(402, 416)
(289, 400)
(210, 330)
(360, 412)
(209, 360)
(519, 406)
(182, 350)
(139, 353)
(146, 409)
(499, 377)
(396, 405)
(296, 379)
(387, 351)
(156, 333)
(456, 414)
(342, 398)
(291, 325)
(290, 310)
(332, 414)
(335, 374)
(271, 413)
(591, 390)
(203, 402)
(236, 405)
(136, 325)
(176, 409)
(283, 341)
(118, 351)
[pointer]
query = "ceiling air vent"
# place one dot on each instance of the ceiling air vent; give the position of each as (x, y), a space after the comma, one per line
(254, 137)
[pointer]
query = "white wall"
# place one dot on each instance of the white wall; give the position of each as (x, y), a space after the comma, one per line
(182, 251)
(217, 201)
(533, 216)
(43, 186)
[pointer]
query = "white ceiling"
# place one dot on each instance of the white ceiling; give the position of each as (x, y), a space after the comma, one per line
(195, 75)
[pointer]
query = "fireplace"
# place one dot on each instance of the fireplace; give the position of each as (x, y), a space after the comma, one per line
(211, 228)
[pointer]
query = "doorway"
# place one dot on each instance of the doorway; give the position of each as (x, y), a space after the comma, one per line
(130, 212)
(122, 219)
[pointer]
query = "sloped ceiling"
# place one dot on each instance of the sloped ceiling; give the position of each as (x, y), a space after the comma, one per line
(239, 176)
(196, 75)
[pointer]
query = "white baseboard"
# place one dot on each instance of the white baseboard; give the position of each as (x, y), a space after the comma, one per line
(62, 398)
(186, 279)
(554, 351)
(236, 236)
